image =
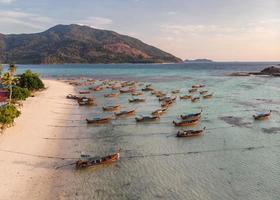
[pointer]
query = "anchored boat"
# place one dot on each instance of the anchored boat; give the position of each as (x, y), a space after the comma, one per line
(86, 161)
(262, 116)
(190, 133)
(186, 122)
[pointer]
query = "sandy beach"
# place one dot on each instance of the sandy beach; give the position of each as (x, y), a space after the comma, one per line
(27, 171)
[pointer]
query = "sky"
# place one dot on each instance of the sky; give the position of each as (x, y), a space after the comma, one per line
(222, 30)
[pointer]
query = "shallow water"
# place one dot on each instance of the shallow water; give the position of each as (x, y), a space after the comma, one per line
(237, 158)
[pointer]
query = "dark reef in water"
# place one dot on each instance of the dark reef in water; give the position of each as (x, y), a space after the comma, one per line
(237, 121)
(272, 130)
(269, 71)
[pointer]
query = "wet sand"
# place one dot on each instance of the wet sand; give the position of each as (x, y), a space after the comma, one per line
(27, 160)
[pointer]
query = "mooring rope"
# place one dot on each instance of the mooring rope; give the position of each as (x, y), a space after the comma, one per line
(127, 135)
(36, 155)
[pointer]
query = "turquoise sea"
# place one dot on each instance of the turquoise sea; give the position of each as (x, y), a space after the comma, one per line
(236, 159)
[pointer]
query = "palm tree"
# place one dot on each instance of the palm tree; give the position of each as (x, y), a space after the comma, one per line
(9, 79)
(12, 68)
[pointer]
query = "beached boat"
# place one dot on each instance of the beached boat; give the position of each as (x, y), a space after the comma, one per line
(111, 108)
(195, 99)
(125, 113)
(208, 96)
(71, 96)
(186, 97)
(193, 116)
(89, 102)
(159, 111)
(84, 92)
(146, 118)
(190, 133)
(99, 120)
(262, 116)
(186, 122)
(111, 95)
(138, 100)
(88, 161)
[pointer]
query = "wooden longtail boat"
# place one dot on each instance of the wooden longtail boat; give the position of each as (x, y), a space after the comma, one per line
(148, 88)
(125, 113)
(159, 95)
(86, 103)
(195, 99)
(99, 120)
(186, 122)
(163, 98)
(115, 87)
(98, 88)
(173, 98)
(154, 92)
(208, 96)
(127, 83)
(111, 95)
(131, 90)
(203, 92)
(111, 108)
(198, 86)
(146, 118)
(83, 101)
(186, 97)
(88, 161)
(175, 91)
(168, 102)
(137, 93)
(262, 116)
(84, 92)
(190, 133)
(70, 96)
(192, 90)
(192, 116)
(159, 111)
(136, 100)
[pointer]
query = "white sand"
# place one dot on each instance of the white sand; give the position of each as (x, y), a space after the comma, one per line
(31, 177)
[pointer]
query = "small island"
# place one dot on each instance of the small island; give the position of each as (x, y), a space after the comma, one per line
(268, 71)
(200, 60)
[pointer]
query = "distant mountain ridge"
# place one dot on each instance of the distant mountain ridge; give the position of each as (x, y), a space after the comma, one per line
(78, 44)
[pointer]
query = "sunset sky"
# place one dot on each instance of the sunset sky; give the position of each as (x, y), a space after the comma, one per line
(222, 30)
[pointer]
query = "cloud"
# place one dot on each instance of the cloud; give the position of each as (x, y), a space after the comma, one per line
(96, 22)
(7, 1)
(17, 21)
(251, 41)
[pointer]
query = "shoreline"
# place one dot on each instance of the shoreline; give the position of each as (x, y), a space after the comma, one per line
(28, 160)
